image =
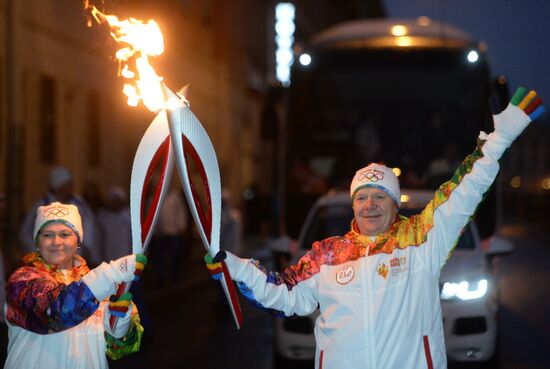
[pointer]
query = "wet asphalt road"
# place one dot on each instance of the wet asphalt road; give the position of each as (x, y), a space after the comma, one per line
(525, 300)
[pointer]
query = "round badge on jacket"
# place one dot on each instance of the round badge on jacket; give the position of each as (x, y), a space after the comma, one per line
(345, 275)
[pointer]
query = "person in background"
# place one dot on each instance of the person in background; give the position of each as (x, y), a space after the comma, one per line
(114, 225)
(231, 229)
(115, 241)
(56, 307)
(377, 286)
(61, 189)
(91, 193)
(167, 249)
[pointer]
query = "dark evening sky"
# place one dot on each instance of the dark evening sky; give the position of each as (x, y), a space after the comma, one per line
(517, 34)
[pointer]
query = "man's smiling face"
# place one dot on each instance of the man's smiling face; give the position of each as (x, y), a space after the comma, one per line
(374, 211)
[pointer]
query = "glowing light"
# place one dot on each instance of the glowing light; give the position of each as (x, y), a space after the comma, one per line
(284, 57)
(405, 198)
(403, 41)
(283, 74)
(399, 30)
(473, 56)
(424, 21)
(546, 184)
(285, 27)
(305, 59)
(515, 182)
(284, 42)
(463, 290)
(396, 171)
(285, 10)
(284, 39)
(449, 291)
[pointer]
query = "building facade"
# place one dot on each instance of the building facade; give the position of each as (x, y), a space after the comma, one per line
(62, 104)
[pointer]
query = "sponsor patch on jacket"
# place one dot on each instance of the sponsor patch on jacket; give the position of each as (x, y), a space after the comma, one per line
(398, 265)
(345, 274)
(382, 270)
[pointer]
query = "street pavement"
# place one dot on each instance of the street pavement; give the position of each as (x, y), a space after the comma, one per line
(525, 299)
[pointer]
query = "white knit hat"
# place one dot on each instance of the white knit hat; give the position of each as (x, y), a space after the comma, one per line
(377, 176)
(57, 212)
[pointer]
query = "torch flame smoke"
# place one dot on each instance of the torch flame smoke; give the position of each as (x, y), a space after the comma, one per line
(142, 40)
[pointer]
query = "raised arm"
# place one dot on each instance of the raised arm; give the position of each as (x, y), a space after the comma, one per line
(456, 201)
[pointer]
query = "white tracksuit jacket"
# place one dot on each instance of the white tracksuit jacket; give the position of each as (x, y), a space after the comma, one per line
(379, 300)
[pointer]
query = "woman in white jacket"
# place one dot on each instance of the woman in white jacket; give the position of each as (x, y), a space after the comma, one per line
(56, 308)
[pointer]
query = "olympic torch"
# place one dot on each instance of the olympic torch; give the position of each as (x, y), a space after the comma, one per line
(189, 137)
(175, 134)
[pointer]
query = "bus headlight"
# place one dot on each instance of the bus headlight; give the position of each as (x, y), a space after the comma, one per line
(464, 290)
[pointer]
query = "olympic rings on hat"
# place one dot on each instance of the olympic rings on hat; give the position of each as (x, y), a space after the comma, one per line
(56, 212)
(372, 175)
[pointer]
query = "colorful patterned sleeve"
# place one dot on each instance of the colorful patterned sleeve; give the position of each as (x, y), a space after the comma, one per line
(417, 227)
(453, 206)
(42, 305)
(288, 293)
(127, 344)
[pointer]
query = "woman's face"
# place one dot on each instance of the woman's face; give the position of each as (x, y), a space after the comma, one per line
(57, 244)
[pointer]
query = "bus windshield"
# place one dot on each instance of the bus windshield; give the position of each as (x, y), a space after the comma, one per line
(403, 107)
(419, 109)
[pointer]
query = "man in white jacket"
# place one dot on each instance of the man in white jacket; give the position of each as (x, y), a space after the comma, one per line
(377, 286)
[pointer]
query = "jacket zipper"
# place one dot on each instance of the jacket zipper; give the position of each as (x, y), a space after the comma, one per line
(427, 352)
(369, 349)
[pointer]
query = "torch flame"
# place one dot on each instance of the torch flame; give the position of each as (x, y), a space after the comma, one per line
(141, 41)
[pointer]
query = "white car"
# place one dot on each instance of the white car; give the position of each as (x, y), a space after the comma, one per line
(469, 296)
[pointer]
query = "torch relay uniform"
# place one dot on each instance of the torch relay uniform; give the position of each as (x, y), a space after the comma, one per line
(379, 296)
(59, 318)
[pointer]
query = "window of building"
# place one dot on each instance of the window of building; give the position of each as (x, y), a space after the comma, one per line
(47, 121)
(93, 128)
(3, 125)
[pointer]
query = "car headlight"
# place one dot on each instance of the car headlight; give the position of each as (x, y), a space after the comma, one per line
(464, 290)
